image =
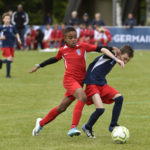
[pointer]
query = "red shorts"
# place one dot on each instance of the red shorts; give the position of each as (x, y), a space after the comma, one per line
(8, 51)
(106, 93)
(71, 85)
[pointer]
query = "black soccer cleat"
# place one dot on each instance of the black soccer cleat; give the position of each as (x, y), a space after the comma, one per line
(111, 128)
(88, 132)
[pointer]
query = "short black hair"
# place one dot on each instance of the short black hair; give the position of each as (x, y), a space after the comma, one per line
(69, 29)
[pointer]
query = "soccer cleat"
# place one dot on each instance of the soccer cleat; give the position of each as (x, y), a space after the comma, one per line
(8, 76)
(88, 132)
(74, 131)
(1, 63)
(37, 128)
(111, 128)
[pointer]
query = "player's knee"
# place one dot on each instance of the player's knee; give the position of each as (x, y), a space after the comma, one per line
(119, 100)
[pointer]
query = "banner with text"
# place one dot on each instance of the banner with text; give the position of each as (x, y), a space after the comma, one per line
(137, 37)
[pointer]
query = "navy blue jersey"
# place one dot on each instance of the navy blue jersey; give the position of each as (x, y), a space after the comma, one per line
(10, 34)
(98, 69)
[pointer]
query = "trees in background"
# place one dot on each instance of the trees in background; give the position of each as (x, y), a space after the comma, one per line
(37, 9)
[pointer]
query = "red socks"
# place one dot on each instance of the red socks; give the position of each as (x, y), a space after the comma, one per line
(77, 112)
(49, 117)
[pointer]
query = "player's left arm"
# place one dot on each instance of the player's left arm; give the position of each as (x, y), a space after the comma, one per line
(18, 38)
(17, 34)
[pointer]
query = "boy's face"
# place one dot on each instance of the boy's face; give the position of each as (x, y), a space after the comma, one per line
(125, 58)
(6, 20)
(71, 38)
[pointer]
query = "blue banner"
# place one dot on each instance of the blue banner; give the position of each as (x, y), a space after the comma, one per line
(137, 37)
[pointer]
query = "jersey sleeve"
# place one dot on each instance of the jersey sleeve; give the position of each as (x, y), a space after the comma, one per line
(59, 55)
(89, 47)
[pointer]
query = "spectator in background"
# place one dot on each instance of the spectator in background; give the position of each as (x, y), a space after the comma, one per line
(61, 35)
(85, 20)
(20, 20)
(55, 38)
(90, 34)
(48, 19)
(28, 42)
(130, 21)
(100, 36)
(32, 32)
(39, 39)
(47, 35)
(83, 33)
(103, 37)
(10, 12)
(98, 21)
(108, 34)
(76, 26)
(74, 18)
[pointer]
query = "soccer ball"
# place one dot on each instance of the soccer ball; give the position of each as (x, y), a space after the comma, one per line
(120, 135)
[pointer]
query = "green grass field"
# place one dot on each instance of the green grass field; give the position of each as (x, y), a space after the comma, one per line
(28, 96)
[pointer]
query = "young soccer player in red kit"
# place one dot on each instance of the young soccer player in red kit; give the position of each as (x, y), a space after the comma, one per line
(73, 54)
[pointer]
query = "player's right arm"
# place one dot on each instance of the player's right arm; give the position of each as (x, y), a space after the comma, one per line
(111, 55)
(2, 37)
(49, 61)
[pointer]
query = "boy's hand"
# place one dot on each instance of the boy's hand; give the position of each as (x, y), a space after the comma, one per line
(117, 52)
(19, 41)
(120, 62)
(3, 37)
(34, 69)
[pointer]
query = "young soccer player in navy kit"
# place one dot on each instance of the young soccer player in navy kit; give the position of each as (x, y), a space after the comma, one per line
(8, 35)
(99, 92)
(73, 54)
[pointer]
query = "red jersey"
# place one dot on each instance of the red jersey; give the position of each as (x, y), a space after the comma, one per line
(75, 60)
(82, 32)
(108, 34)
(33, 34)
(55, 34)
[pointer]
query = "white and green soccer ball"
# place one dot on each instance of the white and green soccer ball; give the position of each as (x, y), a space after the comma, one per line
(120, 134)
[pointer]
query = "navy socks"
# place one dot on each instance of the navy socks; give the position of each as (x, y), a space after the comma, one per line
(116, 110)
(8, 66)
(4, 61)
(94, 117)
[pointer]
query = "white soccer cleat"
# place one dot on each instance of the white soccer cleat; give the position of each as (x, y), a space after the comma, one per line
(37, 128)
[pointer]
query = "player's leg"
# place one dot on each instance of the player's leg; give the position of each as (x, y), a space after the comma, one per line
(87, 128)
(1, 63)
(56, 111)
(118, 98)
(77, 112)
(53, 113)
(8, 66)
(8, 53)
(80, 95)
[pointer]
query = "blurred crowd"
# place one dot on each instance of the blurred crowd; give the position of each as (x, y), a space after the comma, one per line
(88, 31)
(51, 36)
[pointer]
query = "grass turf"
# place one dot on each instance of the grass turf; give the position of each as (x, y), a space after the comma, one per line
(28, 96)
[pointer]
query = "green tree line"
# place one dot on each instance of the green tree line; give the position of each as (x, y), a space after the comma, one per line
(37, 9)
